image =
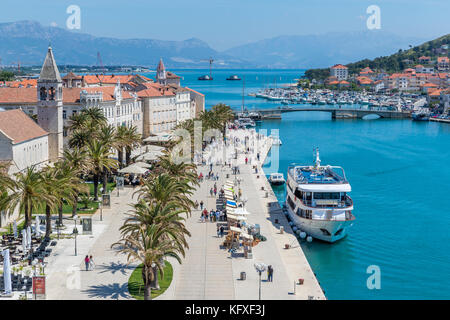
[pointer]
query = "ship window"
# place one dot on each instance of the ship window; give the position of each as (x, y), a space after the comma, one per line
(290, 188)
(326, 195)
(291, 203)
(298, 194)
(326, 232)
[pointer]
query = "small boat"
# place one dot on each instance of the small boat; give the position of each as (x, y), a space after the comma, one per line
(420, 116)
(276, 141)
(276, 179)
(245, 122)
(233, 77)
(205, 77)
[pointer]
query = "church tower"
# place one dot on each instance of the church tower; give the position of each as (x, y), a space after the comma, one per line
(50, 105)
(161, 76)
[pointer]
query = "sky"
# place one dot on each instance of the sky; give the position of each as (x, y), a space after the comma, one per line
(227, 23)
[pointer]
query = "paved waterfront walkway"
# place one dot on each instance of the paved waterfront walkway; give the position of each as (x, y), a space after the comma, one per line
(208, 272)
(67, 278)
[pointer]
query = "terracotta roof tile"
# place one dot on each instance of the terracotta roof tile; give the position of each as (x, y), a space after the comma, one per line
(19, 127)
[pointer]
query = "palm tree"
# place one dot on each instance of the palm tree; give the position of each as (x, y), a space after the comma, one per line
(150, 244)
(107, 136)
(164, 189)
(6, 185)
(28, 193)
(79, 138)
(120, 143)
(96, 116)
(99, 161)
(132, 140)
(182, 171)
(78, 162)
(52, 186)
(224, 114)
(70, 186)
(77, 121)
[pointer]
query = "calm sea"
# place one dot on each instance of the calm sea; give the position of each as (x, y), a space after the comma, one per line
(400, 176)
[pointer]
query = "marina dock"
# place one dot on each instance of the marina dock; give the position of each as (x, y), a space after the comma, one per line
(211, 272)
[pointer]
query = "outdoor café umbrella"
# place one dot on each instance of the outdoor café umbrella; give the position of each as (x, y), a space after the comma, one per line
(36, 226)
(24, 240)
(7, 272)
(142, 164)
(150, 156)
(133, 169)
(29, 237)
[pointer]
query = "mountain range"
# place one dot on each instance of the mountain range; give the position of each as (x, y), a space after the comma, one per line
(27, 41)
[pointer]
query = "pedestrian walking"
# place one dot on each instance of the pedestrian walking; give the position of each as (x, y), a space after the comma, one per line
(91, 263)
(218, 231)
(86, 262)
(201, 205)
(215, 192)
(221, 231)
(270, 273)
(246, 160)
(211, 191)
(202, 217)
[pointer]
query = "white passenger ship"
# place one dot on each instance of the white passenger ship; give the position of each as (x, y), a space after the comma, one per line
(317, 200)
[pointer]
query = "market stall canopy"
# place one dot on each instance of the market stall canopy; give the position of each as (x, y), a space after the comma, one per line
(241, 211)
(246, 236)
(231, 203)
(133, 169)
(235, 217)
(236, 229)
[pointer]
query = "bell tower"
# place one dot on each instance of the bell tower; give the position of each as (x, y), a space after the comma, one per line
(50, 105)
(161, 76)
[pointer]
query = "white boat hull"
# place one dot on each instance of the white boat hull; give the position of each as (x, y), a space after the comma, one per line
(313, 227)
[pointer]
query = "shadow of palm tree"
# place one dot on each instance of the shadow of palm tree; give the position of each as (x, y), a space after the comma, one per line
(114, 267)
(108, 291)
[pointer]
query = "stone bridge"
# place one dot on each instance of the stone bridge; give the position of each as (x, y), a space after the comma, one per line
(337, 113)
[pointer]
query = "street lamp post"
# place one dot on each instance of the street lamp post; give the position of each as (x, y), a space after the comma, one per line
(260, 267)
(75, 232)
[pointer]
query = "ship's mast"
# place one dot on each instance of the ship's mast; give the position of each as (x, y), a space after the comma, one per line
(317, 165)
(243, 94)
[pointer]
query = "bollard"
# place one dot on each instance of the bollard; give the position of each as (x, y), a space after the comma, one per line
(281, 230)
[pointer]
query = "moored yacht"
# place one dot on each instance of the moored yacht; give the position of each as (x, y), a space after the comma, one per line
(317, 200)
(276, 178)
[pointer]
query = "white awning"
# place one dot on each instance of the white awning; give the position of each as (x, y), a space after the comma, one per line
(247, 236)
(322, 187)
(235, 229)
(241, 211)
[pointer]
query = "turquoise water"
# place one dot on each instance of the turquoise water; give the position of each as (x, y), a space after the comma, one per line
(400, 178)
